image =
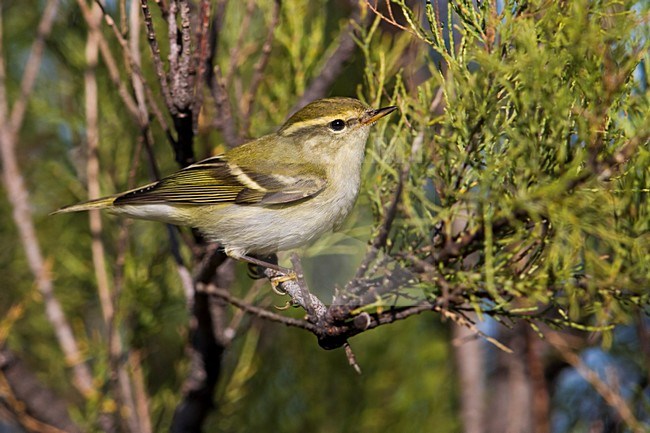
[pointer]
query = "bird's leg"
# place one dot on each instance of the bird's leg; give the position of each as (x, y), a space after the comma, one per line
(287, 274)
(262, 263)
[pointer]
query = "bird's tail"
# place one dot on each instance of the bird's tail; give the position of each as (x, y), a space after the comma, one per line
(100, 203)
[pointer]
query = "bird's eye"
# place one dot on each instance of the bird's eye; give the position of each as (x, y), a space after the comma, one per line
(337, 125)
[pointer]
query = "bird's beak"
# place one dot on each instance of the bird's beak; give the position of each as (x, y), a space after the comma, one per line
(372, 116)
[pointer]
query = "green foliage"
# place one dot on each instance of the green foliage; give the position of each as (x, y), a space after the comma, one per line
(539, 156)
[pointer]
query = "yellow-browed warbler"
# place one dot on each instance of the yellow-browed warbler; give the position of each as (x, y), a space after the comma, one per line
(271, 194)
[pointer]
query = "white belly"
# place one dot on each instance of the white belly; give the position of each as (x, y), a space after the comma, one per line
(255, 229)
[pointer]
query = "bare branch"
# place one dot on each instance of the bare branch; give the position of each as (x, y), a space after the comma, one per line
(123, 17)
(157, 61)
(136, 59)
(35, 406)
(134, 63)
(257, 311)
(182, 74)
(33, 65)
(172, 35)
(115, 344)
(379, 241)
(390, 19)
(111, 65)
(141, 89)
(202, 61)
(297, 290)
(140, 392)
(183, 87)
(352, 360)
(313, 306)
(207, 344)
(613, 398)
(21, 210)
(92, 163)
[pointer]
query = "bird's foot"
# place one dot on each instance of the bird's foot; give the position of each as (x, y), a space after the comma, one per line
(279, 279)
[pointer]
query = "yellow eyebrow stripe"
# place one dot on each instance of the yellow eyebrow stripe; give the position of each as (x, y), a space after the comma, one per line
(324, 120)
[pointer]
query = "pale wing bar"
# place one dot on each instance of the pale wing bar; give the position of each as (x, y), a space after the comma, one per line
(214, 181)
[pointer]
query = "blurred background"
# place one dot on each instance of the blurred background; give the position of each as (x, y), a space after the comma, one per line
(98, 323)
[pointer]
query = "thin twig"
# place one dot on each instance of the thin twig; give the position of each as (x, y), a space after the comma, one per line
(231, 330)
(36, 408)
(137, 71)
(20, 409)
(136, 59)
(123, 17)
(352, 360)
(157, 61)
(19, 198)
(32, 66)
(379, 241)
(124, 387)
(389, 20)
(141, 89)
(613, 398)
(109, 60)
(140, 392)
(213, 290)
(460, 319)
(92, 163)
(201, 62)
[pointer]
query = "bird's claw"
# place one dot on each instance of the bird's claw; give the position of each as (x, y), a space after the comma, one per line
(277, 281)
(284, 307)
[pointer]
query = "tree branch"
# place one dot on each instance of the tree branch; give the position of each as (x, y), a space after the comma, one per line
(33, 65)
(213, 290)
(206, 347)
(19, 198)
(140, 113)
(35, 406)
(157, 61)
(613, 398)
(202, 61)
(111, 65)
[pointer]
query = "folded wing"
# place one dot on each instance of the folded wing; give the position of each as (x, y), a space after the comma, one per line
(216, 180)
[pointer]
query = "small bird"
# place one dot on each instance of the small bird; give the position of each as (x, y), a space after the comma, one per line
(271, 194)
